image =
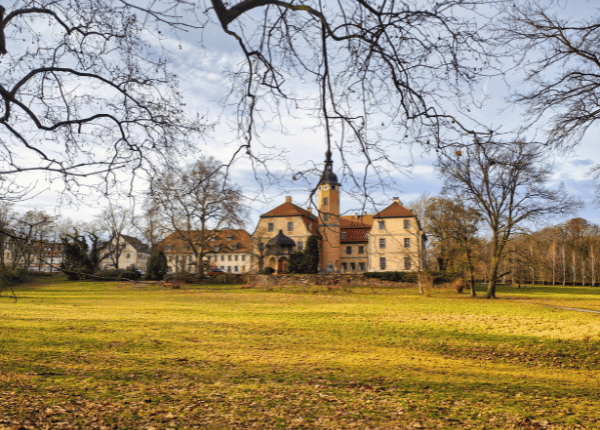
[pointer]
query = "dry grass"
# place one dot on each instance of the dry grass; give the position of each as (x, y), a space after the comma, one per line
(79, 355)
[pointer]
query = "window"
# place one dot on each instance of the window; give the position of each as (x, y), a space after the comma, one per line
(212, 239)
(229, 257)
(243, 268)
(235, 268)
(407, 242)
(344, 235)
(290, 226)
(243, 257)
(361, 249)
(300, 246)
(270, 227)
(344, 267)
(310, 227)
(325, 217)
(382, 243)
(353, 266)
(382, 263)
(348, 250)
(222, 258)
(236, 257)
(406, 263)
(222, 267)
(325, 201)
(362, 266)
(128, 256)
(230, 238)
(229, 268)
(191, 258)
(170, 258)
(381, 225)
(406, 224)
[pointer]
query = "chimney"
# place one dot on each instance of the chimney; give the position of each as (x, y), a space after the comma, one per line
(309, 210)
(288, 199)
(356, 215)
(397, 200)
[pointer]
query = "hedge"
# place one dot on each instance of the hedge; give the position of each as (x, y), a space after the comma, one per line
(439, 277)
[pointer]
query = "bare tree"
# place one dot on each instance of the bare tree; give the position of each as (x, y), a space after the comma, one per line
(506, 183)
(560, 59)
(438, 223)
(82, 92)
(195, 202)
(337, 61)
(464, 227)
(114, 221)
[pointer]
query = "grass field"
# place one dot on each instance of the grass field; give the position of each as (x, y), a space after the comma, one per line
(108, 356)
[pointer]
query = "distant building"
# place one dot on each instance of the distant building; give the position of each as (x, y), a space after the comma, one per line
(228, 250)
(36, 255)
(131, 253)
(391, 240)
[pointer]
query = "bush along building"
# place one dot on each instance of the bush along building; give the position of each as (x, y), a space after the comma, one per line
(390, 240)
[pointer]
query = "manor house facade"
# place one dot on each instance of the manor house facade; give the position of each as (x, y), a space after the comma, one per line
(390, 240)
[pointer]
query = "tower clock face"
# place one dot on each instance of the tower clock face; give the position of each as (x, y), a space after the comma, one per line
(325, 187)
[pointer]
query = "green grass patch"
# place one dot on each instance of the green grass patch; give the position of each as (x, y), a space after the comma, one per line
(130, 356)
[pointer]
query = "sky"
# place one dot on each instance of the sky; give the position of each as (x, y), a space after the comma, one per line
(205, 64)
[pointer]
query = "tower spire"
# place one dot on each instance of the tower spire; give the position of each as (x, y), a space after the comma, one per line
(328, 176)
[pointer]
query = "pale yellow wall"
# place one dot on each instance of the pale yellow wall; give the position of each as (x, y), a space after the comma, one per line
(394, 252)
(300, 233)
(138, 260)
(353, 257)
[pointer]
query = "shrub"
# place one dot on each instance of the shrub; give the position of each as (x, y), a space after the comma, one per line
(131, 275)
(157, 266)
(106, 275)
(268, 271)
(438, 277)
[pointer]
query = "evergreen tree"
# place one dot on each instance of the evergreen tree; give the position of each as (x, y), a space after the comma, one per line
(76, 261)
(157, 266)
(311, 255)
(297, 263)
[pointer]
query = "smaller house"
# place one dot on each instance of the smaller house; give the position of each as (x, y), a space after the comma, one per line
(229, 250)
(130, 253)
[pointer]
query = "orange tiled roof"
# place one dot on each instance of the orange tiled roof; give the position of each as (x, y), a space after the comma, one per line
(289, 209)
(354, 234)
(216, 241)
(395, 210)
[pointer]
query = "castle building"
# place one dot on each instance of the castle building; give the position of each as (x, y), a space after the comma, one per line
(390, 240)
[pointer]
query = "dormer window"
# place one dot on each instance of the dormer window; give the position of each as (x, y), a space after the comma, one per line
(229, 238)
(212, 239)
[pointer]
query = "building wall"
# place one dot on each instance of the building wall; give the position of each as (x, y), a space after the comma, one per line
(395, 251)
(354, 257)
(129, 257)
(299, 234)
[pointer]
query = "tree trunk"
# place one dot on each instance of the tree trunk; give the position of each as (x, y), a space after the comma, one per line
(574, 267)
(491, 292)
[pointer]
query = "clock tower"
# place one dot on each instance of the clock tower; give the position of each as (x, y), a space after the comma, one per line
(329, 217)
